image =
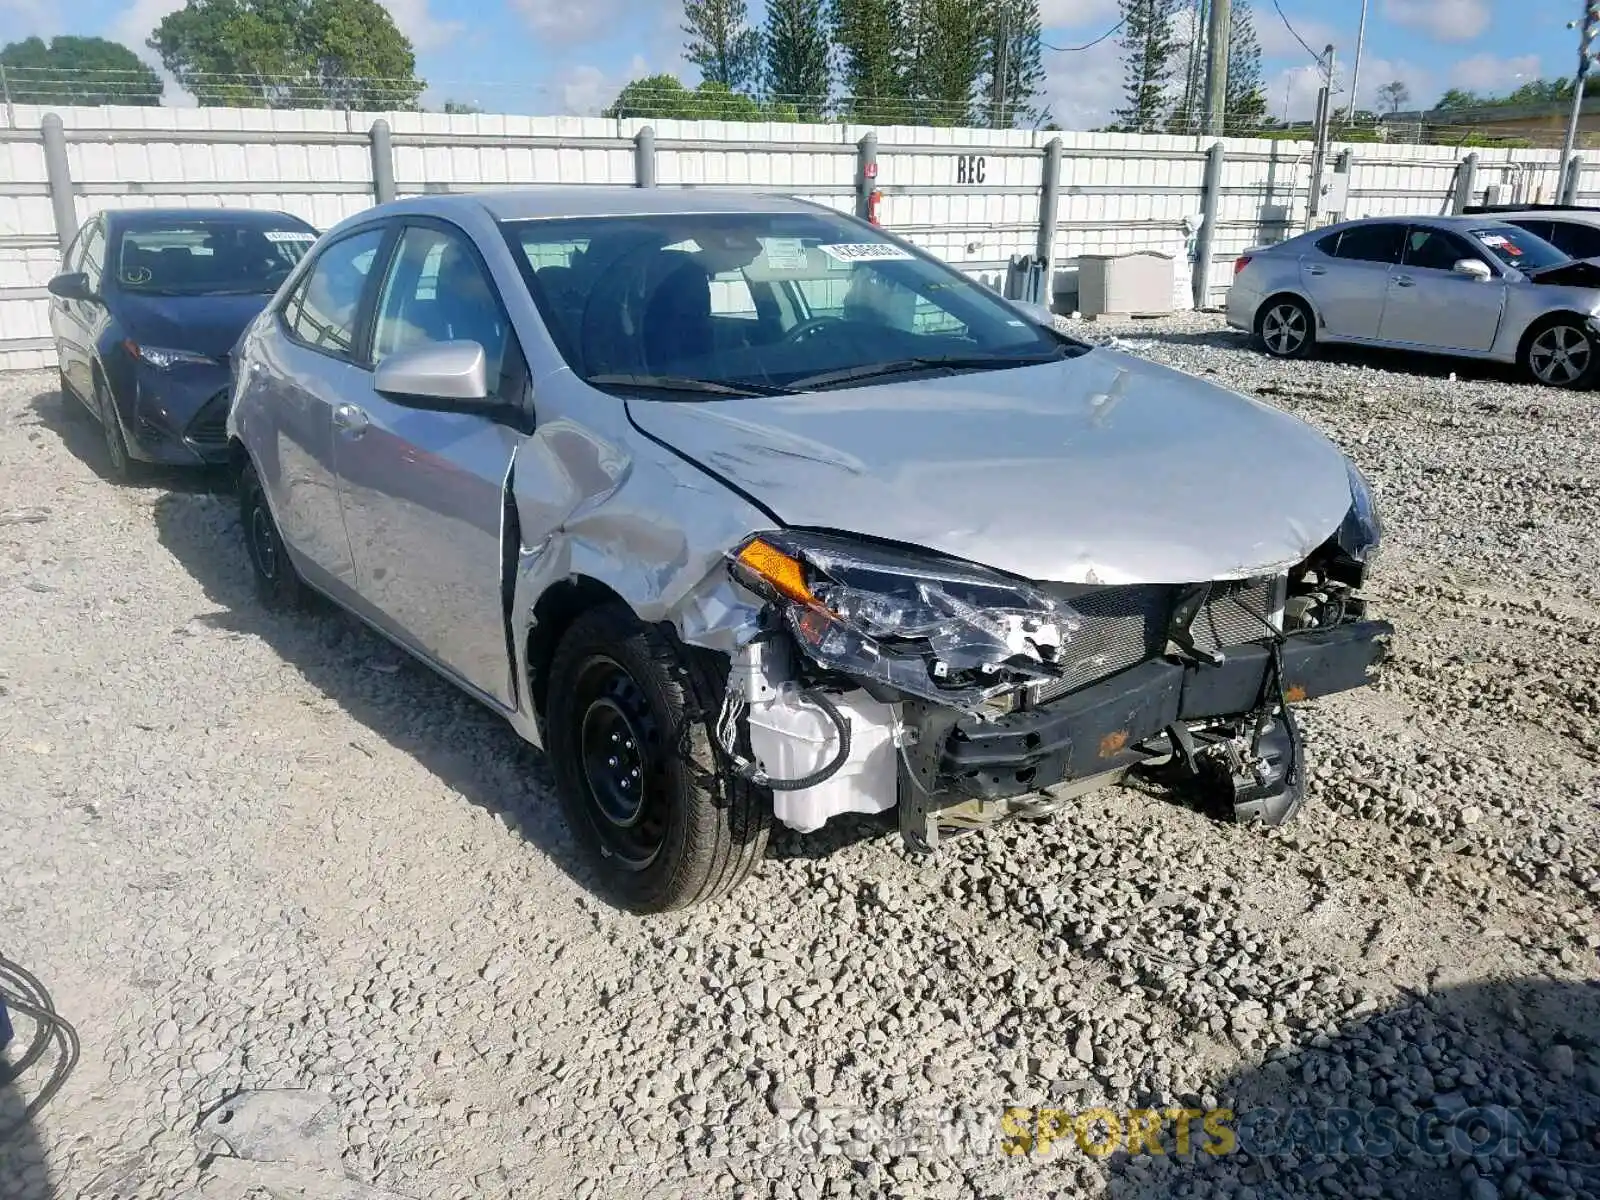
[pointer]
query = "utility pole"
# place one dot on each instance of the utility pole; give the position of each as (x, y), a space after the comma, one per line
(1590, 25)
(1319, 149)
(1217, 38)
(1355, 71)
(1002, 51)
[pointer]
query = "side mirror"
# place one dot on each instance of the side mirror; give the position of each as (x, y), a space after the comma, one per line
(1473, 269)
(449, 375)
(72, 286)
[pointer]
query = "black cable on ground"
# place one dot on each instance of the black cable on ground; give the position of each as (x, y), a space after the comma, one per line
(23, 994)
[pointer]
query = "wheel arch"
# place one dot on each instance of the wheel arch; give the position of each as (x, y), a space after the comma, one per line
(561, 604)
(1543, 320)
(1285, 293)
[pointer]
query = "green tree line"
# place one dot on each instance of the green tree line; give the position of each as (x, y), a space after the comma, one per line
(1164, 53)
(925, 62)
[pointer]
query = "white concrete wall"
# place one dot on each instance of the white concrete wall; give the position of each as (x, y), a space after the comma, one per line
(970, 196)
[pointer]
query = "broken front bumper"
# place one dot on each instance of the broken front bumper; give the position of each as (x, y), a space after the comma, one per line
(1098, 730)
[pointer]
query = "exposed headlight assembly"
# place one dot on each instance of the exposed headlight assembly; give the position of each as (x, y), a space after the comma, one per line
(1361, 534)
(954, 633)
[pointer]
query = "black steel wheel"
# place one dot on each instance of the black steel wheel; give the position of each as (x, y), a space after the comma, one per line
(277, 582)
(628, 729)
(120, 466)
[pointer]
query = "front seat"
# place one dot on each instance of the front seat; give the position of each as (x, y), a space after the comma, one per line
(676, 327)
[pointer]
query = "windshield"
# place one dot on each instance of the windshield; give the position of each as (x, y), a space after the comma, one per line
(209, 258)
(1518, 248)
(759, 300)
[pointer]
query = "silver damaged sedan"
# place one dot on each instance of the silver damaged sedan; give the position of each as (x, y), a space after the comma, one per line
(748, 511)
(1473, 287)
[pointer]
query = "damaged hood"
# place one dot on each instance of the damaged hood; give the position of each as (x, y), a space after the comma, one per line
(1103, 468)
(1579, 273)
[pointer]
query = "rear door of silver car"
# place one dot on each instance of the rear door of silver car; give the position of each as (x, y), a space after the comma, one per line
(1430, 304)
(309, 366)
(1346, 275)
(424, 488)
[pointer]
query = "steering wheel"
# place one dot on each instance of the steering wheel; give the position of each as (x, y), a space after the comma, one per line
(808, 329)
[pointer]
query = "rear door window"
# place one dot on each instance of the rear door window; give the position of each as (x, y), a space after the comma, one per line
(1574, 237)
(324, 310)
(1372, 243)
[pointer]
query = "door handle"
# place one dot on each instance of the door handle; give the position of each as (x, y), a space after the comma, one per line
(1404, 281)
(351, 419)
(1316, 270)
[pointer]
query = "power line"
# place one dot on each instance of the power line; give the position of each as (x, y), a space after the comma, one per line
(1115, 29)
(1317, 58)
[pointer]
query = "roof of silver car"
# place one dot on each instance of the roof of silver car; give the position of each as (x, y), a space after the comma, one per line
(556, 200)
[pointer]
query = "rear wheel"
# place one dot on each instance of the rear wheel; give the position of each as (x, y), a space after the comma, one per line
(629, 735)
(1560, 352)
(277, 582)
(1285, 327)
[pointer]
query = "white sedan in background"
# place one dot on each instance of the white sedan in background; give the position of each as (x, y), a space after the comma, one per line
(1475, 286)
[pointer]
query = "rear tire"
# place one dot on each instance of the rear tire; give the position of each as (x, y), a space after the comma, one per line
(277, 582)
(1286, 328)
(1560, 352)
(661, 821)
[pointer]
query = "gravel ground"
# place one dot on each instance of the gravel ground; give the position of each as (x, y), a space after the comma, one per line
(257, 852)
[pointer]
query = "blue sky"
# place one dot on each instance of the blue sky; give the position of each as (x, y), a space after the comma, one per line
(570, 56)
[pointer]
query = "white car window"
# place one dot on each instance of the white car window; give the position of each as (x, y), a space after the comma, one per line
(323, 309)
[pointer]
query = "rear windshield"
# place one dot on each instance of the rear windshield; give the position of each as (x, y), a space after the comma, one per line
(209, 258)
(1518, 248)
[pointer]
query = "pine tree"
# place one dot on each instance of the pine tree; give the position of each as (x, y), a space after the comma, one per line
(944, 57)
(795, 48)
(867, 34)
(721, 44)
(1149, 62)
(1013, 36)
(1246, 106)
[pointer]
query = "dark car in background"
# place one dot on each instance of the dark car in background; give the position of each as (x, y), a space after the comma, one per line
(146, 312)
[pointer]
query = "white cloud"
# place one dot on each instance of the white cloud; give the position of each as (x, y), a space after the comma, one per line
(134, 25)
(564, 22)
(1069, 14)
(1277, 42)
(1084, 88)
(1491, 74)
(426, 31)
(1444, 20)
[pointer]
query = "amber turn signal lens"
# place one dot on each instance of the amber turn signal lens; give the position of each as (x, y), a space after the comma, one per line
(783, 573)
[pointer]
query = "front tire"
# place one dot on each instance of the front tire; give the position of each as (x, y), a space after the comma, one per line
(1560, 352)
(277, 582)
(1286, 328)
(120, 467)
(628, 726)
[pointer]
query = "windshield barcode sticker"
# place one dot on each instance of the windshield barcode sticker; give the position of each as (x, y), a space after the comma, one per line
(786, 254)
(289, 235)
(854, 252)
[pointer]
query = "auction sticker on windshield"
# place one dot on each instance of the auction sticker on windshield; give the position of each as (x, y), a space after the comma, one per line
(1497, 241)
(854, 252)
(289, 235)
(786, 254)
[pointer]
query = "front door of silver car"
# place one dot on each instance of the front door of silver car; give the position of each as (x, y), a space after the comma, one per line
(1431, 303)
(423, 488)
(305, 367)
(1346, 275)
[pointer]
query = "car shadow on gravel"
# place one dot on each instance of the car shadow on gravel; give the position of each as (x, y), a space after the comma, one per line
(79, 432)
(23, 1173)
(1479, 1091)
(467, 747)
